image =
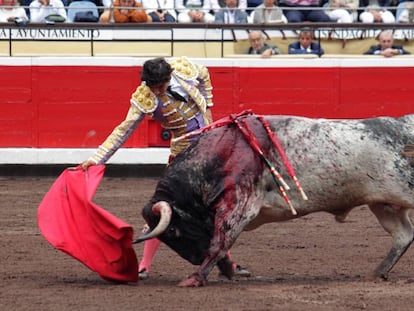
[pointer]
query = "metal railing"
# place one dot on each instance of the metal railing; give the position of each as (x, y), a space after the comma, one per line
(172, 33)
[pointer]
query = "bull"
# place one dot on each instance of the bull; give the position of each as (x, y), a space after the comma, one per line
(221, 186)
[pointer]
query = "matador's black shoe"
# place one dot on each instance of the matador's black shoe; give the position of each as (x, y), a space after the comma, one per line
(241, 272)
(143, 274)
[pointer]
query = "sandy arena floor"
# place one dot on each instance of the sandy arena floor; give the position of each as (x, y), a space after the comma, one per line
(312, 263)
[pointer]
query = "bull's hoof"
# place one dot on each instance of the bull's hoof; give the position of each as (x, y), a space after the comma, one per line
(340, 218)
(193, 281)
(378, 275)
(384, 277)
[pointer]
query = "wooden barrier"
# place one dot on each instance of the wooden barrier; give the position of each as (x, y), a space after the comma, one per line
(74, 102)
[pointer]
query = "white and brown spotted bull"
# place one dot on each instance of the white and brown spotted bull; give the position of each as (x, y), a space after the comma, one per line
(222, 186)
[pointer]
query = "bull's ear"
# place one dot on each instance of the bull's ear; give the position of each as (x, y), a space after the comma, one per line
(163, 209)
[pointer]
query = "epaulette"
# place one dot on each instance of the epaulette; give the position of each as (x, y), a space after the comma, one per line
(184, 69)
(144, 99)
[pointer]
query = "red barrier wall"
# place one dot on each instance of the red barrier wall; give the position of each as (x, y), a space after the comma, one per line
(77, 106)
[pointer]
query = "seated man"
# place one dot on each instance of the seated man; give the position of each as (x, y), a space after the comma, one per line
(386, 48)
(40, 10)
(305, 44)
(231, 14)
(259, 46)
(268, 12)
(342, 11)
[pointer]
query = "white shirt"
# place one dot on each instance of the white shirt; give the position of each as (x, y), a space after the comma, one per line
(38, 11)
(308, 49)
(14, 12)
(176, 87)
(229, 17)
(153, 5)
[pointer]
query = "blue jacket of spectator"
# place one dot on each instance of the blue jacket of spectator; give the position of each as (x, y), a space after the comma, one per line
(314, 48)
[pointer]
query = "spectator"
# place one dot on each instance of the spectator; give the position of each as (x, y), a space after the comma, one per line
(11, 11)
(342, 11)
(231, 14)
(376, 11)
(386, 46)
(305, 44)
(130, 11)
(86, 11)
(42, 11)
(108, 13)
(194, 11)
(405, 10)
(26, 3)
(161, 11)
(268, 12)
(217, 5)
(258, 45)
(306, 11)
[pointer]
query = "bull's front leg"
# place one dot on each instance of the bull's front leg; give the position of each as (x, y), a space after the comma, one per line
(230, 221)
(221, 242)
(199, 278)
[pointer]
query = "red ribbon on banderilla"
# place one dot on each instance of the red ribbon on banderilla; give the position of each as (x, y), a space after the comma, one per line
(282, 154)
(253, 142)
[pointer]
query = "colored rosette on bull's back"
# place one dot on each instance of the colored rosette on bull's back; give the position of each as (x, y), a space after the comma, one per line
(72, 223)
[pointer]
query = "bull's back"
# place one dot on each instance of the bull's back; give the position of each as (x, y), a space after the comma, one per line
(349, 162)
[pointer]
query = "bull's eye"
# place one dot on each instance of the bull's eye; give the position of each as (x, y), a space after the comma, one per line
(172, 232)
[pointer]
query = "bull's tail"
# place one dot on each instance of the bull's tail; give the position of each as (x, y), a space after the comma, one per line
(408, 151)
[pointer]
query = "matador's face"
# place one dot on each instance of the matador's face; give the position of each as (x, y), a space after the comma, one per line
(160, 88)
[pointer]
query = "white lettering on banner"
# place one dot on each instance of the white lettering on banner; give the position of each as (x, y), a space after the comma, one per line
(361, 33)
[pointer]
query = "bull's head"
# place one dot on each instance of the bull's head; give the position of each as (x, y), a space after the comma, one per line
(189, 236)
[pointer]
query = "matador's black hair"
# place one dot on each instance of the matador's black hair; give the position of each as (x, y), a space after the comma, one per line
(156, 71)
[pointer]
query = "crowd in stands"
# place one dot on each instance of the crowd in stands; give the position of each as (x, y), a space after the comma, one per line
(305, 44)
(207, 11)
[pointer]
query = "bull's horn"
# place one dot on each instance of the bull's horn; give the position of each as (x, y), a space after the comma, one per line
(163, 209)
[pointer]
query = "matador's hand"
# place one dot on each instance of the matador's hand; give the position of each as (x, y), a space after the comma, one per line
(86, 164)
